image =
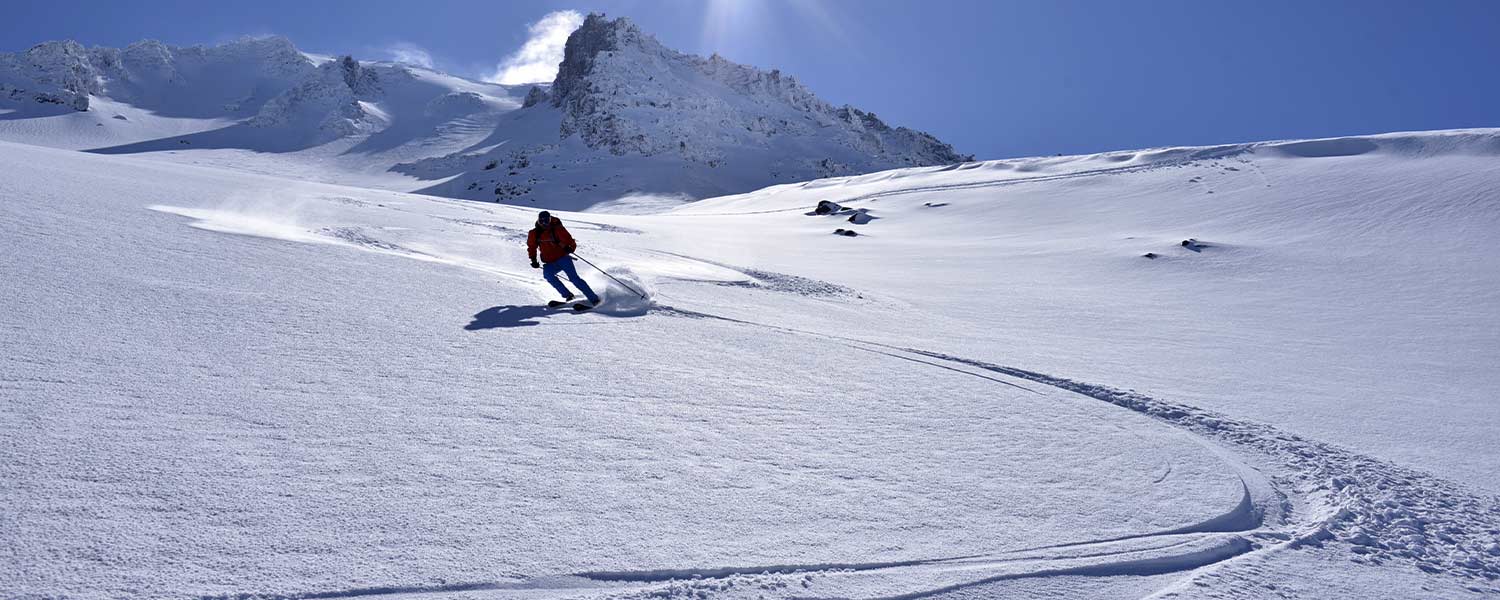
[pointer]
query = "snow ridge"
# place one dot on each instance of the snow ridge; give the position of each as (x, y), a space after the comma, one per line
(233, 77)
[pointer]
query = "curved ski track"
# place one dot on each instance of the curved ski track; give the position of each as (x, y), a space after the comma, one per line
(1297, 492)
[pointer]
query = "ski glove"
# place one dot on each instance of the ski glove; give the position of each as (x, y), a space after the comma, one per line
(536, 265)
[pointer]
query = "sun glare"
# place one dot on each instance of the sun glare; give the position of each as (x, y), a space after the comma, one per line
(727, 23)
(730, 25)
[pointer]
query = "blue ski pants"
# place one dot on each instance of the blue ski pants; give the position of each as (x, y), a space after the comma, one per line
(565, 264)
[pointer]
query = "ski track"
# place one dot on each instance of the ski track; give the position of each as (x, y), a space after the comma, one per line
(510, 233)
(1384, 511)
(661, 575)
(606, 228)
(941, 366)
(357, 237)
(557, 584)
(362, 592)
(773, 281)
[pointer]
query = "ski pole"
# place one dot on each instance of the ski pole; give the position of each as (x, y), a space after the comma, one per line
(606, 274)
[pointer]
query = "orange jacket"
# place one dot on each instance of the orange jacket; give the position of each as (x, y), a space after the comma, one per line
(554, 242)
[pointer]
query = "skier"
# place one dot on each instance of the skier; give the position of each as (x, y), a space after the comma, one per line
(556, 245)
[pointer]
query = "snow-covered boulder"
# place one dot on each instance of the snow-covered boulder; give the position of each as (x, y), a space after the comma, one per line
(860, 216)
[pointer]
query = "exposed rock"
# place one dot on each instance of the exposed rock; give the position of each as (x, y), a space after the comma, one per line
(361, 81)
(534, 97)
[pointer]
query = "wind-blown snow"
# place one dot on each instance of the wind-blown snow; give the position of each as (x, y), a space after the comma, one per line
(219, 384)
(410, 54)
(536, 60)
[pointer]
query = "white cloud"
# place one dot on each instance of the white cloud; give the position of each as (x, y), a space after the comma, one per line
(411, 54)
(537, 59)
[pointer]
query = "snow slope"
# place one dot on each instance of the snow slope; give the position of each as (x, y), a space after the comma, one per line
(255, 105)
(219, 384)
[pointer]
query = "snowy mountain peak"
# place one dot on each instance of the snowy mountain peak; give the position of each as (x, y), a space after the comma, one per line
(597, 34)
(629, 117)
(624, 92)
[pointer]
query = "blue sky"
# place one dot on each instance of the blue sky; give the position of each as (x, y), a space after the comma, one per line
(994, 78)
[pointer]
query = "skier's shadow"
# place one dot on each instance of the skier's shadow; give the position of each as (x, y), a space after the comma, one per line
(509, 316)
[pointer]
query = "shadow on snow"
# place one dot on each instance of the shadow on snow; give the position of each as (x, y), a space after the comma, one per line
(511, 315)
(496, 317)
